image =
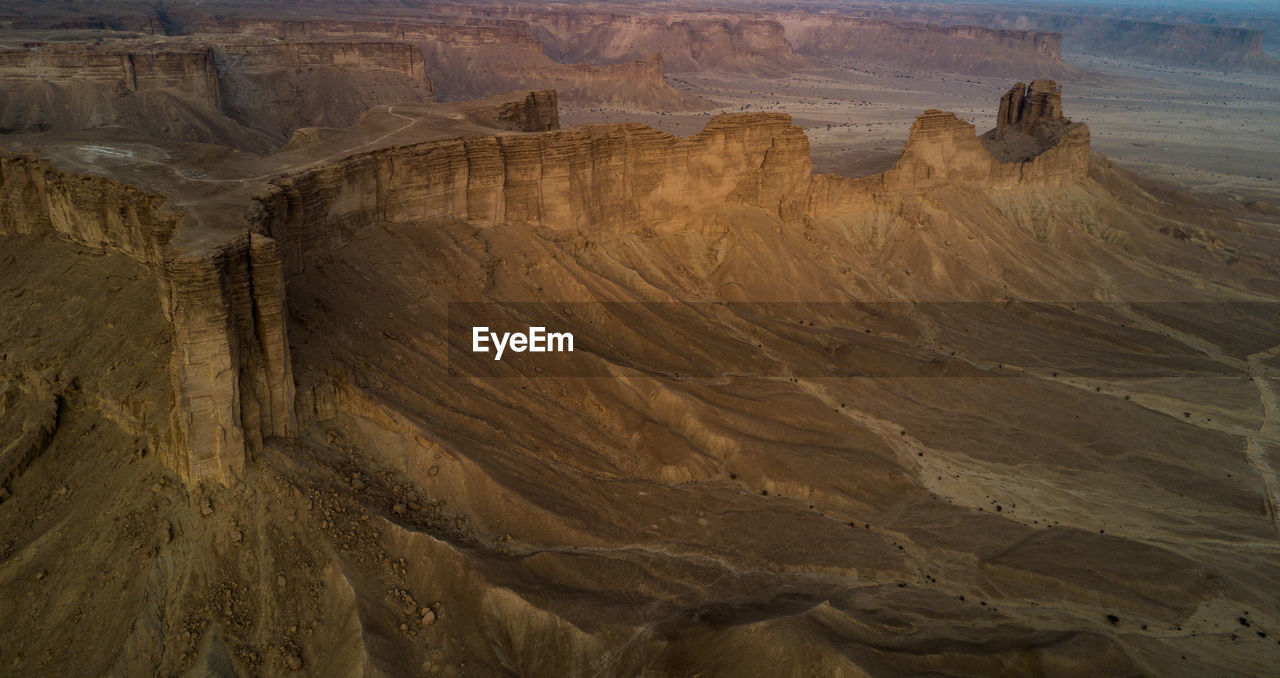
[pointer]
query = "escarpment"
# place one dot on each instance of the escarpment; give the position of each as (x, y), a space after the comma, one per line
(230, 366)
(964, 49)
(346, 490)
(590, 177)
(245, 94)
(476, 60)
(187, 70)
(536, 112)
(1172, 41)
(730, 43)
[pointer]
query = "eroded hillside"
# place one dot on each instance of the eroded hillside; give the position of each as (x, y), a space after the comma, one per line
(246, 445)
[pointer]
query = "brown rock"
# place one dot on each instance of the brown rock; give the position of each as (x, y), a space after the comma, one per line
(1025, 108)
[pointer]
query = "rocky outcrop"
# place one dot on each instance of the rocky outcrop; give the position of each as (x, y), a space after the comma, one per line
(185, 70)
(397, 57)
(1028, 108)
(245, 94)
(230, 369)
(536, 112)
(1030, 122)
(731, 44)
(961, 49)
(596, 177)
(942, 147)
(229, 366)
(1174, 40)
(1037, 148)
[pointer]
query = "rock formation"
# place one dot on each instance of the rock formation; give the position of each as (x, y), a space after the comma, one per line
(536, 112)
(230, 365)
(231, 368)
(1172, 42)
(244, 94)
(1030, 121)
(960, 49)
(469, 60)
(725, 43)
(334, 495)
(1024, 108)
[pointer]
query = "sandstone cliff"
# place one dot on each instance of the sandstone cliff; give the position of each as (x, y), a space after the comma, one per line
(229, 367)
(596, 177)
(478, 61)
(536, 112)
(279, 87)
(248, 95)
(1027, 109)
(475, 60)
(1172, 41)
(186, 70)
(961, 49)
(403, 518)
(727, 43)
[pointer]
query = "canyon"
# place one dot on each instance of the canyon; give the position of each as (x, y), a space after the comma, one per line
(282, 395)
(986, 400)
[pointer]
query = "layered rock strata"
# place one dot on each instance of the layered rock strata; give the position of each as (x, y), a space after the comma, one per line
(186, 70)
(246, 94)
(597, 177)
(230, 367)
(968, 49)
(536, 112)
(1024, 108)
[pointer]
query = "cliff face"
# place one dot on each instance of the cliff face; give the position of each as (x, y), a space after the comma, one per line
(1194, 44)
(1032, 146)
(276, 88)
(248, 95)
(536, 112)
(606, 178)
(687, 43)
(941, 147)
(965, 49)
(187, 71)
(591, 177)
(229, 367)
(396, 57)
(1027, 109)
(476, 60)
(173, 90)
(479, 61)
(231, 372)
